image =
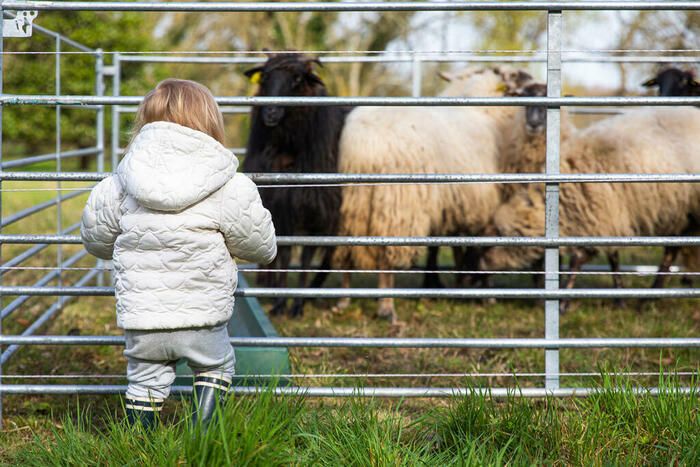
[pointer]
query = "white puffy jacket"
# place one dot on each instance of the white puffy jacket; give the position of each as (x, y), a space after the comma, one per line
(171, 219)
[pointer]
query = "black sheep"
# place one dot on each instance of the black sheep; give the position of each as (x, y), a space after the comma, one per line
(301, 139)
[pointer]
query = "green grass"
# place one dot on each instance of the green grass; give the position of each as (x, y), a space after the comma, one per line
(612, 427)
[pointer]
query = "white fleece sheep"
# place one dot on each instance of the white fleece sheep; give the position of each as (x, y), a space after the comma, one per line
(661, 140)
(525, 147)
(422, 140)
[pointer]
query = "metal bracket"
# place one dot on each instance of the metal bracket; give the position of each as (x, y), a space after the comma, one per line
(109, 70)
(20, 25)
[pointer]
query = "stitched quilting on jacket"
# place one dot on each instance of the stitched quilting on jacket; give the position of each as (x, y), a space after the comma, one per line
(171, 219)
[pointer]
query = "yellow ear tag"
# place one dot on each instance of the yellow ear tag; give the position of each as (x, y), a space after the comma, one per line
(502, 87)
(255, 77)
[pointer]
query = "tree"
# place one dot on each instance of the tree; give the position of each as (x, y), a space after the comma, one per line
(655, 30)
(30, 130)
(309, 31)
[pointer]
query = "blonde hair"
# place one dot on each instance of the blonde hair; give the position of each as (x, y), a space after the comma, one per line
(184, 102)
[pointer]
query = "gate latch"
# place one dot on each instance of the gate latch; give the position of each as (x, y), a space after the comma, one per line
(20, 25)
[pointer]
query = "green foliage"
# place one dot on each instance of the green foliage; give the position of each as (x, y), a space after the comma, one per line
(30, 129)
(511, 30)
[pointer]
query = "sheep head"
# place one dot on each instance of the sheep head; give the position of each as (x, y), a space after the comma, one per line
(535, 115)
(673, 81)
(287, 74)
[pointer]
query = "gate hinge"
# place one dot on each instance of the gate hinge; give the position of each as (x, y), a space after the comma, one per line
(20, 25)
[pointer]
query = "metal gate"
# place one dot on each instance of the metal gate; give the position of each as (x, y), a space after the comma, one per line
(551, 343)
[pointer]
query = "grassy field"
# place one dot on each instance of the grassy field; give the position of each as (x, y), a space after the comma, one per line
(614, 427)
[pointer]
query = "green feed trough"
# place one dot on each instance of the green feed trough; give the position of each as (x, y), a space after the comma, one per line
(249, 320)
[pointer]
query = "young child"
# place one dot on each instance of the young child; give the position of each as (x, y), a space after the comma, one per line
(171, 219)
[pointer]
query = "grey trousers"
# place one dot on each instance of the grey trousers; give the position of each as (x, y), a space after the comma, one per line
(152, 356)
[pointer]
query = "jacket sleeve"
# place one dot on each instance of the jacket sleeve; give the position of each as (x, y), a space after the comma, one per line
(99, 227)
(245, 223)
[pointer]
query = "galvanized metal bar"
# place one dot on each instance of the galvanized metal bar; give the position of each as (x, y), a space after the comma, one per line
(45, 317)
(29, 99)
(391, 342)
(551, 255)
(116, 119)
(31, 252)
(551, 242)
(453, 57)
(416, 75)
(59, 169)
(301, 179)
(2, 79)
(539, 294)
(48, 157)
(100, 135)
(225, 109)
(352, 6)
(595, 111)
(384, 392)
(100, 117)
(19, 301)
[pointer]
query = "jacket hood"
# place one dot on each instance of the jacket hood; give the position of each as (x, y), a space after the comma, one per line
(169, 167)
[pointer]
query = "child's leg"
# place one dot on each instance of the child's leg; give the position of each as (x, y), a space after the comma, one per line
(149, 381)
(150, 372)
(212, 360)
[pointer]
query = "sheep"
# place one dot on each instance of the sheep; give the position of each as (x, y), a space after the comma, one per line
(662, 140)
(673, 81)
(527, 153)
(422, 140)
(296, 139)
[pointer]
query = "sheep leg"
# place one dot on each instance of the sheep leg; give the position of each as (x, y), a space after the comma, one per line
(320, 277)
(431, 280)
(386, 305)
(687, 281)
(458, 254)
(614, 260)
(307, 255)
(284, 256)
(344, 302)
(578, 259)
(670, 254)
(470, 262)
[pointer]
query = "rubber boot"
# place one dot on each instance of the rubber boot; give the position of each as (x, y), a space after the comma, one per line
(142, 412)
(209, 391)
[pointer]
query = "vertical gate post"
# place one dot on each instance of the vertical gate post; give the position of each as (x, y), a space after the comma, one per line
(116, 90)
(100, 119)
(551, 259)
(416, 75)
(59, 168)
(2, 56)
(100, 136)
